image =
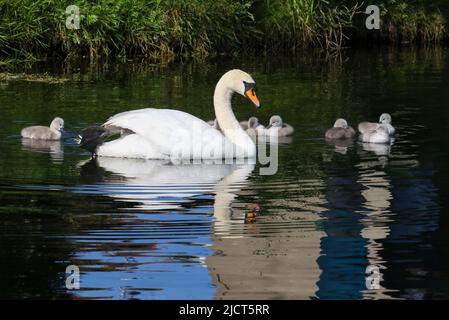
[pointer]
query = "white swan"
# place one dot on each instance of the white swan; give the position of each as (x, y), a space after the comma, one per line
(340, 130)
(44, 133)
(276, 125)
(167, 134)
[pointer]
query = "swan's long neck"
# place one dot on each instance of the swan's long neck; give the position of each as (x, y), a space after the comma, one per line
(227, 121)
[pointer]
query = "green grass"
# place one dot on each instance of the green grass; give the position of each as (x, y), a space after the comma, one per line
(305, 23)
(329, 24)
(153, 28)
(33, 30)
(415, 22)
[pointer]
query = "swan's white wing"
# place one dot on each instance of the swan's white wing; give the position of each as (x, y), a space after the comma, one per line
(150, 121)
(164, 130)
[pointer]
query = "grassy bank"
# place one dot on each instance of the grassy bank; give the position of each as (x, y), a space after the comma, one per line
(154, 28)
(331, 24)
(35, 29)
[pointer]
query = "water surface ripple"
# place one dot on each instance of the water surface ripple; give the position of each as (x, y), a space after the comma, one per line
(144, 229)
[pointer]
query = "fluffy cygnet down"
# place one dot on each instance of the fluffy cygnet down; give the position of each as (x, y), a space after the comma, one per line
(45, 133)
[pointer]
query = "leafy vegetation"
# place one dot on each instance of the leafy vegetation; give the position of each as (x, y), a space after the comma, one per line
(32, 30)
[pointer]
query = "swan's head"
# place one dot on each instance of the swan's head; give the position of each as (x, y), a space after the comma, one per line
(385, 118)
(57, 124)
(341, 123)
(242, 83)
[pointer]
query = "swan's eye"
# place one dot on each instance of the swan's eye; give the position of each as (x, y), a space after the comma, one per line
(249, 85)
(250, 93)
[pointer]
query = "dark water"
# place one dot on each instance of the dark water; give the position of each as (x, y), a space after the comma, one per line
(143, 230)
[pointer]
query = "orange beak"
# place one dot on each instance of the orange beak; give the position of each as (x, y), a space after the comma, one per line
(251, 95)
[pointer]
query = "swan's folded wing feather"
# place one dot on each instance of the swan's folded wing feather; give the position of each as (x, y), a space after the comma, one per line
(156, 124)
(165, 128)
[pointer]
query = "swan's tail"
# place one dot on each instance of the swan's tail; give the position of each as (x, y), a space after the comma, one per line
(92, 137)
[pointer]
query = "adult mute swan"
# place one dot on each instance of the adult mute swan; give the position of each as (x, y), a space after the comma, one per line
(44, 133)
(172, 134)
(340, 130)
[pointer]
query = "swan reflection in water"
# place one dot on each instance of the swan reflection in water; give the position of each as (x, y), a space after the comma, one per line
(159, 185)
(164, 225)
(52, 147)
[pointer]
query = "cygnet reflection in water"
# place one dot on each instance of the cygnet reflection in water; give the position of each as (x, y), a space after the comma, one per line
(377, 148)
(53, 147)
(341, 145)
